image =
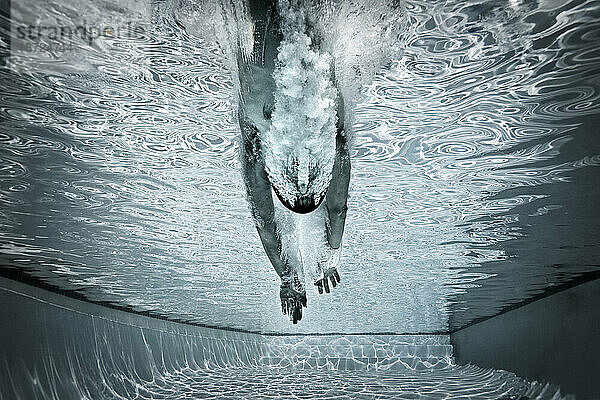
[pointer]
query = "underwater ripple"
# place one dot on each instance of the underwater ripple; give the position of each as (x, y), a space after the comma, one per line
(121, 178)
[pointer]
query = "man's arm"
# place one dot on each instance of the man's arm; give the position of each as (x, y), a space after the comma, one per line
(335, 203)
(258, 187)
(261, 201)
(337, 194)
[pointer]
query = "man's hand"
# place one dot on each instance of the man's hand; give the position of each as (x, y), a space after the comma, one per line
(330, 274)
(293, 298)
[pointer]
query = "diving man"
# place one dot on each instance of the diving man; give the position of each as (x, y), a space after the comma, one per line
(291, 117)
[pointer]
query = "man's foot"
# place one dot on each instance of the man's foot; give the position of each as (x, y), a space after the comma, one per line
(293, 298)
(330, 274)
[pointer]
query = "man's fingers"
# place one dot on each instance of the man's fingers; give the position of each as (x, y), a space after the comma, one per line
(296, 312)
(333, 282)
(323, 283)
(319, 285)
(337, 276)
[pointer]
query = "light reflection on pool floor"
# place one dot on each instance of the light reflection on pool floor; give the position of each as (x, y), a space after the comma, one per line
(467, 382)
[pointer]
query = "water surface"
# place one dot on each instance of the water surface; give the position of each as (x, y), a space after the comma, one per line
(473, 187)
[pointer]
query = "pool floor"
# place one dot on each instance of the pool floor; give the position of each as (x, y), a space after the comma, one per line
(457, 382)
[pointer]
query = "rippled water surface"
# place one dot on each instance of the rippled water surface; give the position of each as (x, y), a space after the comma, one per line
(473, 186)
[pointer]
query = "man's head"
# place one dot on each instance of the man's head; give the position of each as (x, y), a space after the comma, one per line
(301, 178)
(305, 183)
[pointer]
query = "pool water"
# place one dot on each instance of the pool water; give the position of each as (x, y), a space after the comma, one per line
(473, 144)
(474, 180)
(72, 349)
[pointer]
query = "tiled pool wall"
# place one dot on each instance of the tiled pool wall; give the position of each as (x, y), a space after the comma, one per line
(359, 352)
(58, 347)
